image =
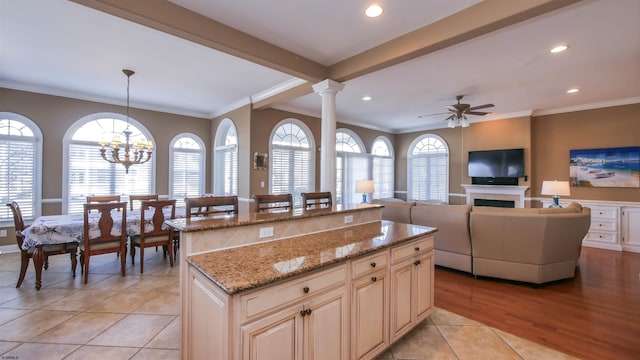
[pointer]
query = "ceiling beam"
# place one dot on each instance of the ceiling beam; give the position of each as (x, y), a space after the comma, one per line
(474, 21)
(175, 20)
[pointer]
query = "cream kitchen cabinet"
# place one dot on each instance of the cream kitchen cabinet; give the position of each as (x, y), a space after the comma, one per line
(411, 286)
(370, 311)
(631, 228)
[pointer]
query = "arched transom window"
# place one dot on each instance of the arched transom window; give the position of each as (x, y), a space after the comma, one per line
(225, 177)
(352, 164)
(383, 168)
(187, 164)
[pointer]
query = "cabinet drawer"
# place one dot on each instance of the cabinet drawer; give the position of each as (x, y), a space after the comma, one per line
(274, 297)
(413, 248)
(603, 225)
(373, 262)
(602, 237)
(604, 213)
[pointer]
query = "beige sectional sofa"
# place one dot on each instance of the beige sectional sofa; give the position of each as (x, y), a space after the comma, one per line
(534, 245)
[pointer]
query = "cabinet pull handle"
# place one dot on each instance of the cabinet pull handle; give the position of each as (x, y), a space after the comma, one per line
(417, 262)
(305, 289)
(417, 248)
(373, 264)
(374, 279)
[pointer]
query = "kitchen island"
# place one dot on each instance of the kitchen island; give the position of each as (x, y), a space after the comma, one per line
(345, 291)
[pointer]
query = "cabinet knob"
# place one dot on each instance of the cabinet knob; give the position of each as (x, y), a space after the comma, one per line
(599, 224)
(417, 262)
(308, 311)
(305, 289)
(373, 264)
(374, 279)
(417, 248)
(303, 313)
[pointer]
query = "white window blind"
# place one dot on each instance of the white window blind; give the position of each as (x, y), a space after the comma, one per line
(352, 164)
(291, 161)
(226, 159)
(383, 169)
(428, 169)
(18, 171)
(187, 168)
(89, 174)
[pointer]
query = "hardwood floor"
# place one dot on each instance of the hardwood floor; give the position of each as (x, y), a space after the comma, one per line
(595, 315)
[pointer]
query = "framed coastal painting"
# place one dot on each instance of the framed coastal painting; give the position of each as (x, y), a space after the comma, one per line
(608, 167)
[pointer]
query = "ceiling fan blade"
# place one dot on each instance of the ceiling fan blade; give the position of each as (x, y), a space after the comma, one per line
(428, 115)
(481, 107)
(477, 113)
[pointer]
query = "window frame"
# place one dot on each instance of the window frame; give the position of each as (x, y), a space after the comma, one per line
(297, 199)
(202, 152)
(428, 155)
(390, 157)
(347, 180)
(220, 147)
(37, 168)
(68, 138)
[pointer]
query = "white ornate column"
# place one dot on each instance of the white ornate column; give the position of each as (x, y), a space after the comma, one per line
(328, 90)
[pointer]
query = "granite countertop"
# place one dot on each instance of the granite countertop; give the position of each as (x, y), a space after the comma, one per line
(243, 268)
(248, 218)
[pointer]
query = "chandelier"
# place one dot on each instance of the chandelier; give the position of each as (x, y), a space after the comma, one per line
(133, 153)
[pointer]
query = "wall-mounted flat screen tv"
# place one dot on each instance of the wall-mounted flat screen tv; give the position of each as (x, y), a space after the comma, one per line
(496, 163)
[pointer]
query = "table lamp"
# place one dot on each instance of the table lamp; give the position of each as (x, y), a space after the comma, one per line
(555, 188)
(364, 187)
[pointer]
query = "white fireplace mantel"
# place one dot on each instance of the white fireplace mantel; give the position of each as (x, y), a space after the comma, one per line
(496, 192)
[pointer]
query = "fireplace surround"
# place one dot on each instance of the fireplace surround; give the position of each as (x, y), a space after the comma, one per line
(496, 192)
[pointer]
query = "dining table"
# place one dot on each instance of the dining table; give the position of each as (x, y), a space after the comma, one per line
(69, 229)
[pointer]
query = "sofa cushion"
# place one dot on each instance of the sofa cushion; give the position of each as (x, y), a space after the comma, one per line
(395, 210)
(452, 222)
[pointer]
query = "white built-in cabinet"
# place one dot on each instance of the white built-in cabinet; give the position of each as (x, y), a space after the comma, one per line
(614, 225)
(342, 312)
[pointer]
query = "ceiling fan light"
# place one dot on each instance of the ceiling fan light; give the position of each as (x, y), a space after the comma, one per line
(464, 122)
(451, 123)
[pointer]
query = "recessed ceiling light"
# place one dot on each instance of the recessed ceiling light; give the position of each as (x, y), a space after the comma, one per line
(366, 98)
(374, 10)
(559, 48)
(573, 90)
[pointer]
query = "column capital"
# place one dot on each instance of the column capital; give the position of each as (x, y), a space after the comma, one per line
(328, 86)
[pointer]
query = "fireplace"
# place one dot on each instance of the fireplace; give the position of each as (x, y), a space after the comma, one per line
(494, 203)
(506, 193)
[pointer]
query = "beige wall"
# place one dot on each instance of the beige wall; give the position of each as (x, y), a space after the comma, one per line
(54, 115)
(546, 140)
(554, 135)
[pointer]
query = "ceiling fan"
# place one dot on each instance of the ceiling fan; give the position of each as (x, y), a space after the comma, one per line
(458, 112)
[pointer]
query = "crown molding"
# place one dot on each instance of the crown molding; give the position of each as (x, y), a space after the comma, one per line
(591, 106)
(280, 88)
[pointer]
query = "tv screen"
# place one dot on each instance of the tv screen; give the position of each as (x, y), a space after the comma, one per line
(496, 163)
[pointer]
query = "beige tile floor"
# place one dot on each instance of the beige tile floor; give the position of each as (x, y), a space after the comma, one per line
(137, 317)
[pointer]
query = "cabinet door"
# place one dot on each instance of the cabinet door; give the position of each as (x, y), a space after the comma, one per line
(423, 268)
(326, 326)
(275, 337)
(631, 226)
(370, 315)
(401, 295)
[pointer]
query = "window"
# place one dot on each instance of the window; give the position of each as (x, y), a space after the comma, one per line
(428, 169)
(88, 174)
(292, 160)
(21, 157)
(225, 175)
(352, 164)
(383, 168)
(186, 158)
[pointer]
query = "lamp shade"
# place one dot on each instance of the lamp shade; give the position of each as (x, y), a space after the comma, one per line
(364, 186)
(555, 188)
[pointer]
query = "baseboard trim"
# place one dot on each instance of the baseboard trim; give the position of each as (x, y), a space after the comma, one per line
(5, 249)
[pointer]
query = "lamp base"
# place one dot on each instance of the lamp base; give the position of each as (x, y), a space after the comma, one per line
(364, 198)
(556, 203)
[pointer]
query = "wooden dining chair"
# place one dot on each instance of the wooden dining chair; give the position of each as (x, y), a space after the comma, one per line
(47, 250)
(209, 205)
(268, 202)
(97, 237)
(159, 234)
(317, 200)
(139, 198)
(103, 199)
